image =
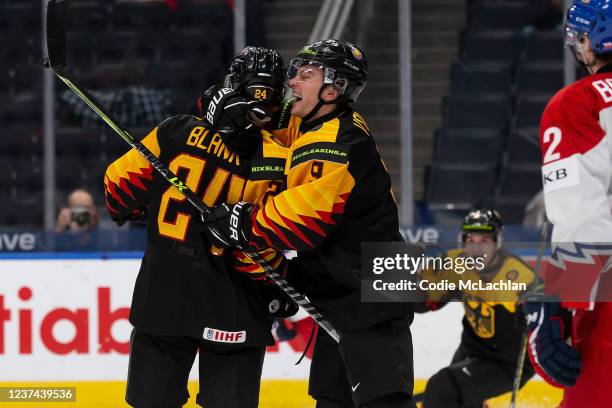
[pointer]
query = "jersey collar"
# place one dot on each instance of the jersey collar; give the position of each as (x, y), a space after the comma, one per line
(605, 68)
(308, 126)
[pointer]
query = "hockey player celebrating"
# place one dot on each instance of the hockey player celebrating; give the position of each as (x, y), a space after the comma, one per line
(575, 139)
(185, 299)
(485, 362)
(338, 195)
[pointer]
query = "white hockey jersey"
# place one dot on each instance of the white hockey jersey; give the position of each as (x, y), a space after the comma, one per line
(576, 145)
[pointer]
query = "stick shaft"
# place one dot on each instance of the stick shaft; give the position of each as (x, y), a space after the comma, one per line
(525, 338)
(195, 200)
(56, 40)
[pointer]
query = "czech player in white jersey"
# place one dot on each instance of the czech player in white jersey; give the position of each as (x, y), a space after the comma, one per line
(576, 144)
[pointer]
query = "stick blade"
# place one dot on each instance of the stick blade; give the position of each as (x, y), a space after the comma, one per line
(56, 33)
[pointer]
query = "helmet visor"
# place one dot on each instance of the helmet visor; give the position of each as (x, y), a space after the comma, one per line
(301, 68)
(571, 37)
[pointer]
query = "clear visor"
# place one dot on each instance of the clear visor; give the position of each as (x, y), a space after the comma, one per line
(301, 70)
(571, 37)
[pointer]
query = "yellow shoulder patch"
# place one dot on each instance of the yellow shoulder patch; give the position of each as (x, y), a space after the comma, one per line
(360, 122)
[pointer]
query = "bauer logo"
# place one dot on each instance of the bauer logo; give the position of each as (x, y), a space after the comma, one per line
(220, 336)
(212, 106)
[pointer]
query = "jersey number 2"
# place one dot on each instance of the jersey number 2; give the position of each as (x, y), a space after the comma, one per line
(555, 133)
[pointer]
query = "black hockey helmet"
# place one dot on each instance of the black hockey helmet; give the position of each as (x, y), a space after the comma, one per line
(343, 64)
(483, 220)
(258, 72)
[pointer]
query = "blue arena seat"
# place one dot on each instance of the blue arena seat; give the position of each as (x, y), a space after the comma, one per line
(459, 183)
(468, 146)
(490, 46)
(497, 14)
(520, 181)
(480, 78)
(468, 111)
(524, 146)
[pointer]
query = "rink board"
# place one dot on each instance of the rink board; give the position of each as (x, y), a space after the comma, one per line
(274, 394)
(63, 321)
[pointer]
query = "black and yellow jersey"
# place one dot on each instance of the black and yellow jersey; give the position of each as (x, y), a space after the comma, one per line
(182, 288)
(493, 323)
(338, 195)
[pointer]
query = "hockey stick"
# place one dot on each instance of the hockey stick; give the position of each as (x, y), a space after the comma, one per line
(56, 44)
(525, 338)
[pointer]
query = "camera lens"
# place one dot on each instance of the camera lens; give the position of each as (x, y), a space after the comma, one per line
(81, 216)
(82, 219)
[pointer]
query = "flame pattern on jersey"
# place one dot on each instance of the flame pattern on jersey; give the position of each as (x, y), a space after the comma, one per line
(128, 179)
(242, 263)
(302, 217)
(319, 184)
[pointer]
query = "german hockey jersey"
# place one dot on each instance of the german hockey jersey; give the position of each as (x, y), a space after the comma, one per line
(338, 196)
(493, 323)
(182, 289)
(576, 144)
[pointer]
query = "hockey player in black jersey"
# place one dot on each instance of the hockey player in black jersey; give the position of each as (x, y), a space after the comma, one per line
(338, 195)
(485, 362)
(186, 299)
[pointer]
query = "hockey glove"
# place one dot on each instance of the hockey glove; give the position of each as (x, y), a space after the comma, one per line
(553, 359)
(284, 330)
(279, 303)
(227, 225)
(229, 114)
(137, 215)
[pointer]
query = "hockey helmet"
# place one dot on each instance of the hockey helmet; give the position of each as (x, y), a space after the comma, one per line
(592, 18)
(483, 220)
(259, 72)
(343, 64)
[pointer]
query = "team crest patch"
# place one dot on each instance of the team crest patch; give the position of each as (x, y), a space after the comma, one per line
(220, 336)
(512, 275)
(356, 53)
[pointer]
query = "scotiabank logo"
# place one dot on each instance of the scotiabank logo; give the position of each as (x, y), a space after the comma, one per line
(80, 319)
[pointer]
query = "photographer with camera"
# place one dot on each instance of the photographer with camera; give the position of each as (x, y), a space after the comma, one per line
(80, 214)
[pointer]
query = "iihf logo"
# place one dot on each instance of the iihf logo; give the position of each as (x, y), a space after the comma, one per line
(209, 334)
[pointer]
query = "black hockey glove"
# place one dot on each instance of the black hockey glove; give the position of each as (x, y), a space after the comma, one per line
(227, 225)
(279, 303)
(138, 215)
(228, 112)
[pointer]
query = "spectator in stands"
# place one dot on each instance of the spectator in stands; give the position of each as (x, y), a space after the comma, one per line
(80, 213)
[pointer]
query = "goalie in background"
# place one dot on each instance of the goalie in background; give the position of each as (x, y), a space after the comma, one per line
(484, 364)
